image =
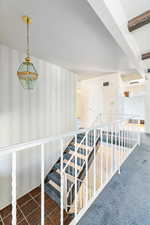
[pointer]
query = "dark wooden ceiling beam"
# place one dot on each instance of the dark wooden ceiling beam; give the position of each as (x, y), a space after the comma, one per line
(146, 56)
(139, 21)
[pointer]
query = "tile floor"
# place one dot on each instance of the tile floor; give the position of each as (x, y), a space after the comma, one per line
(28, 211)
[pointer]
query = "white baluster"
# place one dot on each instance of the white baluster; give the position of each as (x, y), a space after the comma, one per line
(131, 137)
(101, 157)
(121, 137)
(116, 146)
(76, 191)
(62, 184)
(114, 137)
(94, 161)
(119, 149)
(107, 152)
(139, 137)
(123, 142)
(14, 213)
(42, 184)
(86, 168)
(126, 140)
(127, 137)
(112, 149)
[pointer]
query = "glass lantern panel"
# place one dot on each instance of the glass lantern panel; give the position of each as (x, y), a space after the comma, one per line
(28, 84)
(27, 67)
(27, 80)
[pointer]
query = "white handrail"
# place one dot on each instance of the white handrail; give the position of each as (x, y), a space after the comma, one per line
(21, 146)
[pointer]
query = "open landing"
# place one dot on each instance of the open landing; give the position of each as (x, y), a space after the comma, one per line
(125, 200)
(28, 211)
(136, 127)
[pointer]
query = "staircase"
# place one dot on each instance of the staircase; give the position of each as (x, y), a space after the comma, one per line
(53, 180)
(85, 151)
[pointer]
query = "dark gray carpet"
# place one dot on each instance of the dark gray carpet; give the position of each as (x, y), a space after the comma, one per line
(126, 199)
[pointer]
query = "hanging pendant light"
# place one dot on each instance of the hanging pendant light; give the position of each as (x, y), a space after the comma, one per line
(27, 73)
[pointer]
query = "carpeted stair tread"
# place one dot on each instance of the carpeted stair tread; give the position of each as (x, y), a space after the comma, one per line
(79, 150)
(79, 155)
(56, 186)
(53, 193)
(57, 165)
(72, 164)
(69, 177)
(83, 146)
(54, 176)
(71, 170)
(67, 155)
(71, 147)
(79, 161)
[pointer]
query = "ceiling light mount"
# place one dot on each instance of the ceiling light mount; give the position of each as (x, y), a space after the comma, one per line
(27, 19)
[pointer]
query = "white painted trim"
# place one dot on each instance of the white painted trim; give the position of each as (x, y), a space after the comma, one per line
(42, 184)
(14, 196)
(62, 185)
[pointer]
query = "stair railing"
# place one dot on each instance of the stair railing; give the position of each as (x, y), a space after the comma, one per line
(117, 142)
(84, 163)
(97, 121)
(82, 141)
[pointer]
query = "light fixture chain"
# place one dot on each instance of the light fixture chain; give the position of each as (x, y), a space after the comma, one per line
(28, 39)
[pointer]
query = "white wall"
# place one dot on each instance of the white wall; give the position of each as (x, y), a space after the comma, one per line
(134, 105)
(89, 102)
(95, 99)
(27, 115)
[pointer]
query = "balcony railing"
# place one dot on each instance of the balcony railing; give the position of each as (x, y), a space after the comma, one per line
(105, 146)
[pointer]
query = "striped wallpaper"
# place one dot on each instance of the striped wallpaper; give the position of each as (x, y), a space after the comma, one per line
(26, 115)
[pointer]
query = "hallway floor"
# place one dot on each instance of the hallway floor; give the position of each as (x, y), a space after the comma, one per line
(28, 211)
(126, 199)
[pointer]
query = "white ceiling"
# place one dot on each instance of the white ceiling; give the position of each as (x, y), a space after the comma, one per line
(141, 35)
(65, 32)
(136, 8)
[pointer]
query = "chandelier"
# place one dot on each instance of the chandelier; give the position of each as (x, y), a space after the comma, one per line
(27, 73)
